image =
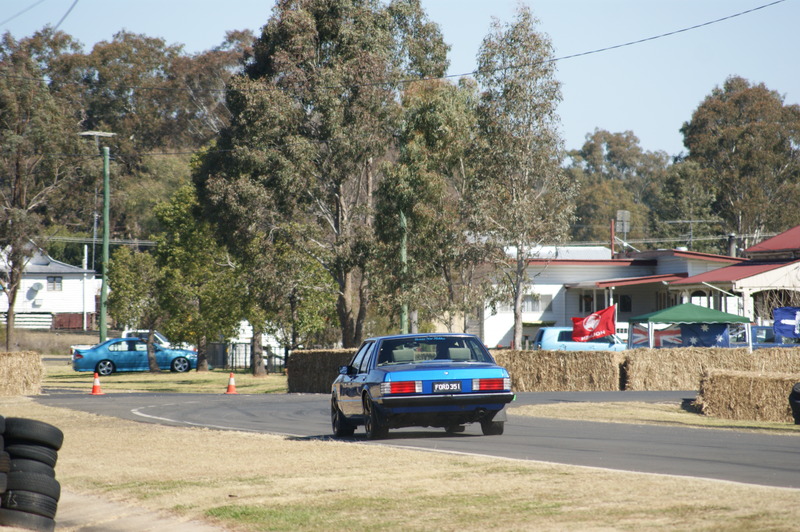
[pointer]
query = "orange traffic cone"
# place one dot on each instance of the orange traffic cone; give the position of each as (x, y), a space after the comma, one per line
(231, 386)
(96, 385)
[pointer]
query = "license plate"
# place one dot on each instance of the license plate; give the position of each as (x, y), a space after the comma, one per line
(447, 387)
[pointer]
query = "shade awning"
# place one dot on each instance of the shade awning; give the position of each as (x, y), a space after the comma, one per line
(628, 281)
(689, 313)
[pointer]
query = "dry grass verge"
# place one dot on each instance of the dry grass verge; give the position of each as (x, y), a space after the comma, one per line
(254, 482)
(20, 373)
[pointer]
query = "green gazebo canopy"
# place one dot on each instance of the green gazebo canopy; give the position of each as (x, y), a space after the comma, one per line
(689, 313)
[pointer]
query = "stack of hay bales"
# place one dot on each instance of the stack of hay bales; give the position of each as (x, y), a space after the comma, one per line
(314, 370)
(747, 395)
(30, 491)
(683, 368)
(538, 371)
(21, 373)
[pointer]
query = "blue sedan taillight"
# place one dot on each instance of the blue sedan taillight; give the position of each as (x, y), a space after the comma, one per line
(491, 384)
(401, 387)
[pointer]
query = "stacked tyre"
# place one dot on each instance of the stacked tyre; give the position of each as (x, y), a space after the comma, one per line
(29, 490)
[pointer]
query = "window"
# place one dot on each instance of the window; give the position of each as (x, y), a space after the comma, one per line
(537, 303)
(587, 303)
(625, 303)
(54, 284)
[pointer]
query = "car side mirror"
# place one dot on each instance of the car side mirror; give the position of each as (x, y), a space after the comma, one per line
(344, 370)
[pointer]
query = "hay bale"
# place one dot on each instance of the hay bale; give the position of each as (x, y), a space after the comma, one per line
(682, 368)
(314, 370)
(539, 371)
(21, 373)
(746, 395)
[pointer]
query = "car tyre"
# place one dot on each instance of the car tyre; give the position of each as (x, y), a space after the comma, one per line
(341, 427)
(33, 431)
(13, 518)
(34, 482)
(374, 425)
(492, 428)
(40, 453)
(180, 365)
(105, 368)
(23, 465)
(31, 502)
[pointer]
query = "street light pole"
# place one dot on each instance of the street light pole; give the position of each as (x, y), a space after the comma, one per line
(103, 326)
(104, 287)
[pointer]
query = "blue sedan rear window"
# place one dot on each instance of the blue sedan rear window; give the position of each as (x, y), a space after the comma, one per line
(433, 348)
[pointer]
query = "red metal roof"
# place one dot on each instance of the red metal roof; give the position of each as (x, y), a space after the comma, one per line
(628, 281)
(787, 240)
(732, 273)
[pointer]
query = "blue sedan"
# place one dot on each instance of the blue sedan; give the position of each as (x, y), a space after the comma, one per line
(130, 354)
(420, 380)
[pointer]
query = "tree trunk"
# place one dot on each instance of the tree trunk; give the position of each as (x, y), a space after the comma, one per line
(202, 354)
(257, 354)
(17, 264)
(151, 352)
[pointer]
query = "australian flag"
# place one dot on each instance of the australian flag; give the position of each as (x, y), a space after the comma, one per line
(705, 335)
(786, 321)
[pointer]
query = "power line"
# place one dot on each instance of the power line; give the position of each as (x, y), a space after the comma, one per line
(12, 17)
(65, 15)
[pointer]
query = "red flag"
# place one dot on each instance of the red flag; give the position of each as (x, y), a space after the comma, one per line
(595, 325)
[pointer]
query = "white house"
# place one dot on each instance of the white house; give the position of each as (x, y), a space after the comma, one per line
(579, 282)
(53, 294)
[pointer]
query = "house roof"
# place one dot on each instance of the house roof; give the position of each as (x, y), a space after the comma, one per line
(734, 272)
(41, 264)
(689, 313)
(655, 254)
(629, 281)
(786, 241)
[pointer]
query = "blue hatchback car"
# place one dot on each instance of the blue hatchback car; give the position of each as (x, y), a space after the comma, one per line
(420, 380)
(130, 354)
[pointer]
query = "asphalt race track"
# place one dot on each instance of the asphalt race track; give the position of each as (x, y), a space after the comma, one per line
(765, 459)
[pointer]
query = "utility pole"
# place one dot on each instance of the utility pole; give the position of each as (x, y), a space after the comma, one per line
(104, 287)
(404, 269)
(103, 326)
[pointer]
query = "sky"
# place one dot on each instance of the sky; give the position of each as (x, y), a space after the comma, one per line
(650, 88)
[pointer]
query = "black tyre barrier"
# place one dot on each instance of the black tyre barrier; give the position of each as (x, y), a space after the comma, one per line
(5, 462)
(33, 431)
(26, 520)
(30, 466)
(34, 482)
(31, 502)
(2, 424)
(28, 451)
(794, 402)
(3, 482)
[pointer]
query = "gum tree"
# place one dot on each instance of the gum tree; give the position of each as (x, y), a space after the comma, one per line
(526, 196)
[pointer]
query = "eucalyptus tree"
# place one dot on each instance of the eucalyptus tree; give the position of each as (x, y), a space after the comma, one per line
(746, 141)
(526, 196)
(425, 200)
(38, 145)
(311, 120)
(614, 173)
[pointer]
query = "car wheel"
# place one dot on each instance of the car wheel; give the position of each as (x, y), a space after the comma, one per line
(492, 428)
(105, 368)
(180, 365)
(341, 428)
(373, 423)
